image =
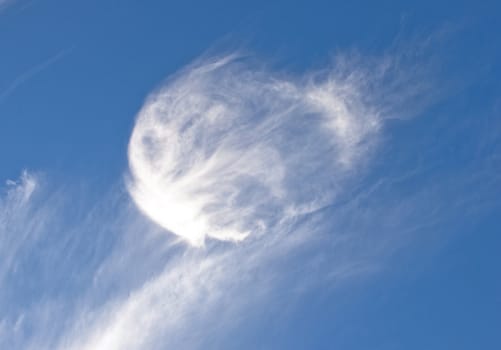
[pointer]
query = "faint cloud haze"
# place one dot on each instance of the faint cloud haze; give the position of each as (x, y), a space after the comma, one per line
(5, 3)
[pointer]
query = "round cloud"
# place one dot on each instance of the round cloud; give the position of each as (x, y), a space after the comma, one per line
(226, 150)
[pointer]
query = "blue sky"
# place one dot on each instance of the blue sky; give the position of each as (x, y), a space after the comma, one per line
(221, 175)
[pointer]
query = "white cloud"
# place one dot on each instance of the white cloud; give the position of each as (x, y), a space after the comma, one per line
(15, 213)
(229, 151)
(200, 294)
(226, 149)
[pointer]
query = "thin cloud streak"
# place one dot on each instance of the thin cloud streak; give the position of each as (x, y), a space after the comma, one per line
(32, 72)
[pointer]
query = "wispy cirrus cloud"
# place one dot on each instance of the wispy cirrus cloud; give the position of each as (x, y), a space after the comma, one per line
(226, 150)
(15, 211)
(30, 73)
